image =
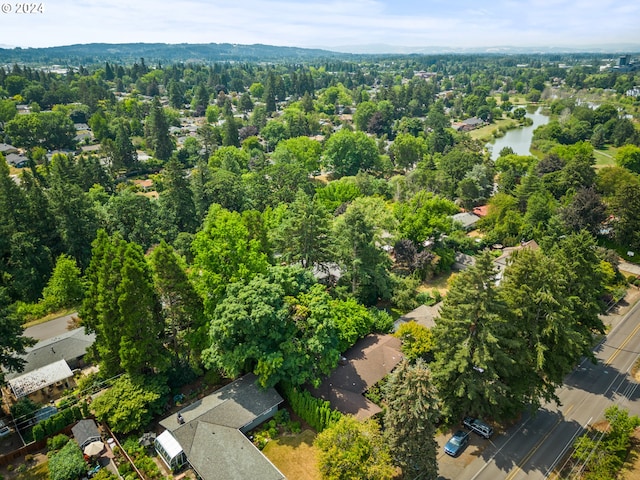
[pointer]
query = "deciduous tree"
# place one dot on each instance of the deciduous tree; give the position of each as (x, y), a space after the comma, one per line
(352, 449)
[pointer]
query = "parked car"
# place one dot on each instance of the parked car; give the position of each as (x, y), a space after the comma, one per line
(4, 430)
(456, 443)
(478, 426)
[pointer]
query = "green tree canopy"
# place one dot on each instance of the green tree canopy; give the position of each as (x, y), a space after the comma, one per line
(352, 449)
(65, 287)
(224, 253)
(68, 463)
(131, 402)
(347, 153)
(279, 326)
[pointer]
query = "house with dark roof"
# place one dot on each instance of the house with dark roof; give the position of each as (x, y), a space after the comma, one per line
(48, 366)
(17, 160)
(210, 433)
(362, 366)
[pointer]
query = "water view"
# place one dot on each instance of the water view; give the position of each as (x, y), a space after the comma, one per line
(519, 139)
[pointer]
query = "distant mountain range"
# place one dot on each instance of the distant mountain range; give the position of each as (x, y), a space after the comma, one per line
(154, 53)
(435, 50)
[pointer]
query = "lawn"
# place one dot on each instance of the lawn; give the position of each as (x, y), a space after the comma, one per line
(605, 156)
(294, 455)
(40, 471)
(485, 133)
(439, 282)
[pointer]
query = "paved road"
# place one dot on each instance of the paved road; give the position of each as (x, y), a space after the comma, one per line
(534, 447)
(49, 329)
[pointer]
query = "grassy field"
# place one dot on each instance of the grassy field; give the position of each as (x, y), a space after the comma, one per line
(485, 133)
(605, 156)
(36, 472)
(294, 455)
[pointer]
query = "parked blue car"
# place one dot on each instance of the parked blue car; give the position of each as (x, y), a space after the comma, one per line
(456, 443)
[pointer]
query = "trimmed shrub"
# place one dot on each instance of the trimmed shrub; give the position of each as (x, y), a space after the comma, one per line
(315, 411)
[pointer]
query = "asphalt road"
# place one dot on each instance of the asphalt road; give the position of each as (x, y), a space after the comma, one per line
(534, 447)
(49, 329)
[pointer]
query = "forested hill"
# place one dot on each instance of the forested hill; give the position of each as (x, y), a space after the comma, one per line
(88, 54)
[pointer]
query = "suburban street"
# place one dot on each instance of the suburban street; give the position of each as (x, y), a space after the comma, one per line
(51, 328)
(535, 446)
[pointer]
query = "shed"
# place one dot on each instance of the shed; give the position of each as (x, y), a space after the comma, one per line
(85, 432)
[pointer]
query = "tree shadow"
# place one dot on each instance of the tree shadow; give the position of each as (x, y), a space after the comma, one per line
(507, 452)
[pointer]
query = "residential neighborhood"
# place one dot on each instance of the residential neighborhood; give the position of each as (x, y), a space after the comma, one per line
(260, 262)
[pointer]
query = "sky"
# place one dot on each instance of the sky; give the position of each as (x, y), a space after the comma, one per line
(332, 24)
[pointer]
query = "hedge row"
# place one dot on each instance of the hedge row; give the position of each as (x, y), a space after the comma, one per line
(59, 421)
(315, 411)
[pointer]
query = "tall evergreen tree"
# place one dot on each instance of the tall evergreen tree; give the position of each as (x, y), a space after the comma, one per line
(176, 200)
(230, 137)
(141, 350)
(12, 341)
(199, 181)
(304, 236)
(185, 331)
(364, 264)
(121, 307)
(157, 131)
(548, 343)
(99, 312)
(121, 152)
(472, 366)
(410, 419)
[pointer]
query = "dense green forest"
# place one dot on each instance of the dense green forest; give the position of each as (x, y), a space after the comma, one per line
(292, 207)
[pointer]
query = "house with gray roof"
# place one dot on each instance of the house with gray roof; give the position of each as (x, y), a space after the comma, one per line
(210, 434)
(17, 160)
(85, 432)
(6, 149)
(466, 219)
(49, 366)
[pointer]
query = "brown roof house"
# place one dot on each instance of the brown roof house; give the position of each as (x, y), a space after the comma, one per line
(210, 433)
(361, 367)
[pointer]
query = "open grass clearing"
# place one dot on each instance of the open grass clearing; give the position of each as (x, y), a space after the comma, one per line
(439, 282)
(605, 156)
(294, 455)
(485, 133)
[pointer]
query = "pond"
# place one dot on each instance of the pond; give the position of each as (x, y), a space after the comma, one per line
(519, 139)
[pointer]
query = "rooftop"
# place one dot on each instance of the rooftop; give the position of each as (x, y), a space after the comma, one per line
(363, 365)
(211, 432)
(68, 346)
(40, 378)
